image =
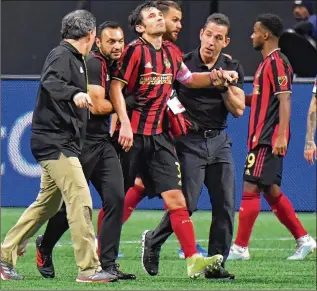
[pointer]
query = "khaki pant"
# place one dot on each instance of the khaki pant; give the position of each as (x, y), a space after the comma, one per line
(61, 179)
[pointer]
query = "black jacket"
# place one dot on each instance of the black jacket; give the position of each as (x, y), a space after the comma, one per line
(58, 126)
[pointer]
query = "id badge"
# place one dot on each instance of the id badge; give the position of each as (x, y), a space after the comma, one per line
(175, 105)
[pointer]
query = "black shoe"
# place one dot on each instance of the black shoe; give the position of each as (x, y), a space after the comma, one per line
(115, 271)
(44, 260)
(150, 256)
(221, 274)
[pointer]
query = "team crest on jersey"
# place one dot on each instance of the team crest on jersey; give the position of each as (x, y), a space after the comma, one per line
(282, 80)
(167, 63)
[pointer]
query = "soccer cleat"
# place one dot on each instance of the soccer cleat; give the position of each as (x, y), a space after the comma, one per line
(305, 245)
(115, 270)
(7, 272)
(197, 265)
(150, 256)
(221, 274)
(238, 253)
(44, 261)
(99, 277)
(199, 248)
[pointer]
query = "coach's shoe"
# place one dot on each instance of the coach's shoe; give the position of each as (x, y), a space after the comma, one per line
(199, 248)
(150, 256)
(44, 261)
(115, 270)
(304, 246)
(221, 274)
(197, 265)
(238, 253)
(7, 272)
(99, 277)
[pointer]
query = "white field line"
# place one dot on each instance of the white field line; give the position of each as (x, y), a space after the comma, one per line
(174, 241)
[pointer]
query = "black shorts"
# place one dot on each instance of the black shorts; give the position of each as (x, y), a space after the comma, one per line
(154, 160)
(262, 167)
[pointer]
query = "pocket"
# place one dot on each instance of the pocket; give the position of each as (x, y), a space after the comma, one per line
(74, 161)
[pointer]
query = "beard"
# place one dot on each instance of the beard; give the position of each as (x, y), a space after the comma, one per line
(169, 36)
(258, 47)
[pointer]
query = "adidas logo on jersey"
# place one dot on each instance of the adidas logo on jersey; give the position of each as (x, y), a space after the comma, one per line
(148, 65)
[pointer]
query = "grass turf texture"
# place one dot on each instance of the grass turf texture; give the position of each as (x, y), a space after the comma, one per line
(268, 268)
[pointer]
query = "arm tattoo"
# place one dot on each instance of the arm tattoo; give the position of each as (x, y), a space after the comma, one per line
(311, 128)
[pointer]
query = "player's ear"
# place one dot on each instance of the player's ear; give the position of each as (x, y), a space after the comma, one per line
(98, 42)
(91, 35)
(266, 35)
(226, 42)
(139, 28)
(201, 34)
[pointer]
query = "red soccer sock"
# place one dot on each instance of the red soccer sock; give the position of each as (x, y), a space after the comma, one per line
(132, 199)
(249, 211)
(284, 211)
(99, 223)
(184, 230)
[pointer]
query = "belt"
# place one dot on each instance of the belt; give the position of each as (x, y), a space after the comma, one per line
(209, 133)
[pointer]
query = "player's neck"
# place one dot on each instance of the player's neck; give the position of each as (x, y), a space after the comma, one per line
(269, 48)
(155, 40)
(78, 45)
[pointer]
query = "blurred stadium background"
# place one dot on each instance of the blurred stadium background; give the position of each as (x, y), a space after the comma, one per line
(30, 29)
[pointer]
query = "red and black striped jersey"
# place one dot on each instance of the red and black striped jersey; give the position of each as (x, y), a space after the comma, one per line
(273, 76)
(149, 75)
(98, 70)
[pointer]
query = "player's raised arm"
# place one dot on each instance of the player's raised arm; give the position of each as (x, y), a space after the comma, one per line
(201, 80)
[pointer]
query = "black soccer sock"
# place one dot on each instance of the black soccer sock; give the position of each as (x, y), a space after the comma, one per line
(56, 227)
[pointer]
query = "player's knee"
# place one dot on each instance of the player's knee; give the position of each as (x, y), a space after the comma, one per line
(272, 191)
(139, 182)
(250, 187)
(174, 199)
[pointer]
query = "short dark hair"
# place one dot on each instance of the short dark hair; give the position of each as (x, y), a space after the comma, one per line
(77, 24)
(165, 5)
(107, 24)
(135, 17)
(219, 19)
(272, 22)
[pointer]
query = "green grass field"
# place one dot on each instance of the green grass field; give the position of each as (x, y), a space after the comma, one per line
(268, 268)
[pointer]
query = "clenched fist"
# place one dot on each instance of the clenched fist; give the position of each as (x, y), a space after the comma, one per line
(82, 100)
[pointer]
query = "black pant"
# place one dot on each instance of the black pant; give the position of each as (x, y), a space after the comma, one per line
(102, 168)
(206, 161)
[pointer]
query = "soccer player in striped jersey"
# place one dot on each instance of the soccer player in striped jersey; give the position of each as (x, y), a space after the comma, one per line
(173, 16)
(147, 70)
(268, 138)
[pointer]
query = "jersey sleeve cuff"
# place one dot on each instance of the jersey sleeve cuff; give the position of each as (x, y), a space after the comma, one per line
(280, 92)
(119, 79)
